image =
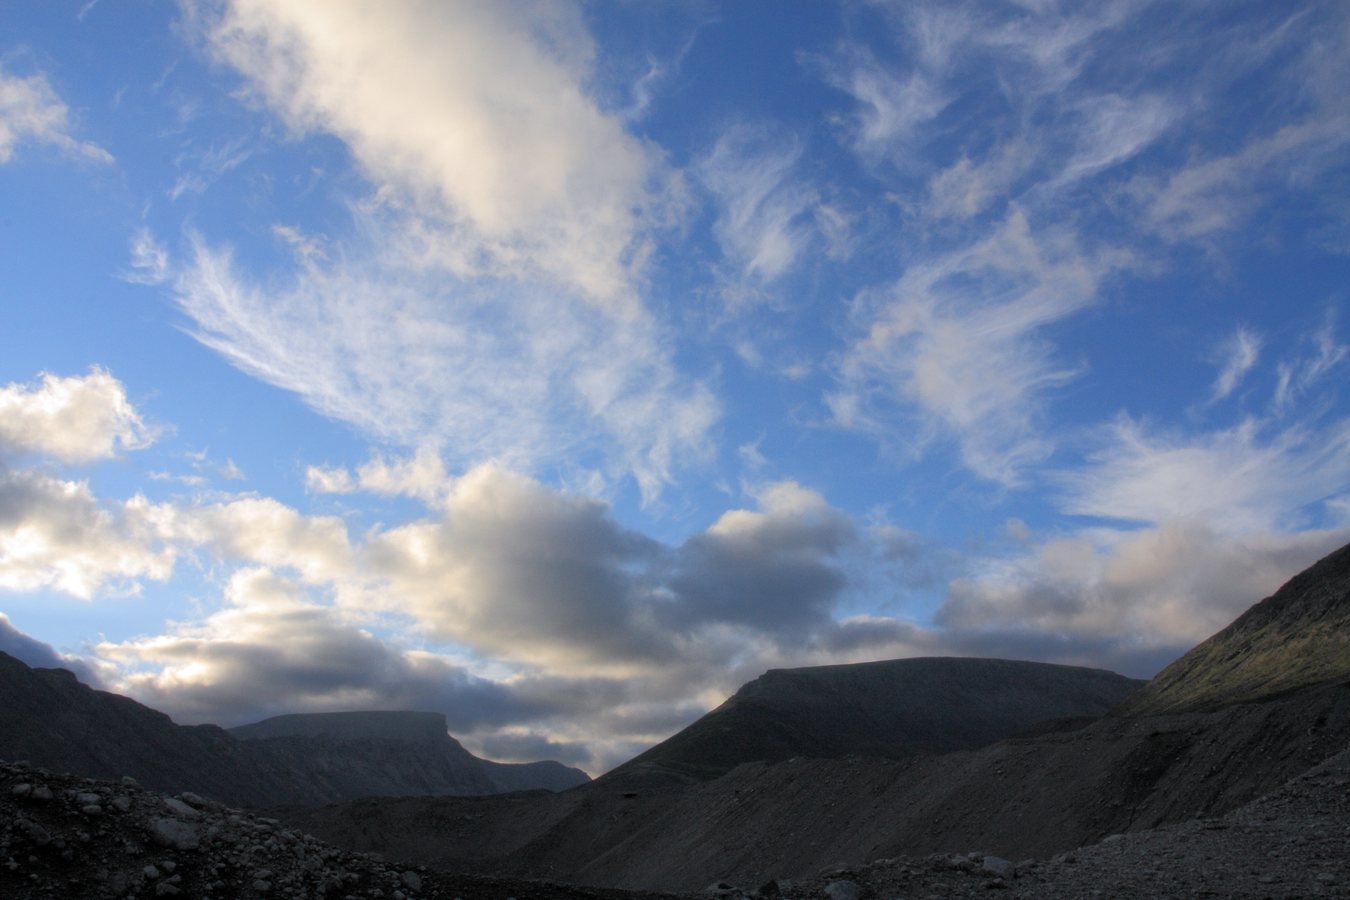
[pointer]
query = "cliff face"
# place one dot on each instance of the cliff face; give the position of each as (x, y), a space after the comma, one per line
(891, 709)
(1296, 638)
(54, 721)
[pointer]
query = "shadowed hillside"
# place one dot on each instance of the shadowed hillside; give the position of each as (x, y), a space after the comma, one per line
(54, 721)
(890, 709)
(343, 755)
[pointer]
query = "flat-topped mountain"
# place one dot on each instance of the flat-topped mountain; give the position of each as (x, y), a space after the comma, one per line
(343, 755)
(890, 709)
(1296, 638)
(49, 718)
(400, 725)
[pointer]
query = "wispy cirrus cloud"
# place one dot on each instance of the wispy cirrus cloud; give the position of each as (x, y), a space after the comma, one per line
(1235, 356)
(764, 207)
(954, 345)
(31, 111)
(478, 369)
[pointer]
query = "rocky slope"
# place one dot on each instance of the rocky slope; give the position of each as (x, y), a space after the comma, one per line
(1296, 637)
(50, 718)
(63, 836)
(890, 709)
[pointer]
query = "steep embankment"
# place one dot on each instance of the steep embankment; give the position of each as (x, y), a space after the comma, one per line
(890, 709)
(1299, 636)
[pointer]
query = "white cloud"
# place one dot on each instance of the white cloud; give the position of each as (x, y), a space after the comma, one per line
(55, 534)
(762, 223)
(149, 260)
(30, 110)
(1236, 357)
(1297, 376)
(1251, 478)
(1219, 193)
(412, 357)
(273, 649)
(1164, 587)
(953, 345)
(421, 475)
(473, 113)
(77, 419)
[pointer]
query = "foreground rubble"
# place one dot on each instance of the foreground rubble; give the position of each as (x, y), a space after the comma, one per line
(64, 837)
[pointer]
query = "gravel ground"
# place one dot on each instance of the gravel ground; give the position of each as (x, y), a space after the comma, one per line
(67, 837)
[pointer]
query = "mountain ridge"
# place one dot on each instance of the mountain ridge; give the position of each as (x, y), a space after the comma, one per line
(888, 708)
(49, 717)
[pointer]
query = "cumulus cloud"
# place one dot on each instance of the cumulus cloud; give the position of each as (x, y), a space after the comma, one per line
(472, 113)
(30, 110)
(421, 475)
(77, 419)
(272, 649)
(55, 534)
(1158, 589)
(39, 655)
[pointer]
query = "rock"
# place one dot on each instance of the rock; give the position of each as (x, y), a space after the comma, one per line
(150, 872)
(412, 881)
(21, 791)
(178, 807)
(41, 793)
(33, 831)
(843, 890)
(121, 804)
(175, 834)
(192, 799)
(86, 798)
(997, 866)
(128, 781)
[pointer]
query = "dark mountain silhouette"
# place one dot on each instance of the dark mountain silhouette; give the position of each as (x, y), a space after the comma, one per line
(890, 709)
(52, 720)
(1245, 730)
(1297, 637)
(342, 755)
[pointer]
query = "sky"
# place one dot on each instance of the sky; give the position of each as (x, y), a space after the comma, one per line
(562, 366)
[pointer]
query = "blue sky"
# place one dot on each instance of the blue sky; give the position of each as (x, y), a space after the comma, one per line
(562, 366)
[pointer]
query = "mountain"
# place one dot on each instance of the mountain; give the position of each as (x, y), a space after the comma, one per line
(890, 709)
(51, 719)
(1297, 637)
(344, 755)
(1227, 725)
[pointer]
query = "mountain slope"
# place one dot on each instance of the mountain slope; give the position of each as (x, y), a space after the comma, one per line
(1297, 637)
(345, 755)
(51, 719)
(890, 709)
